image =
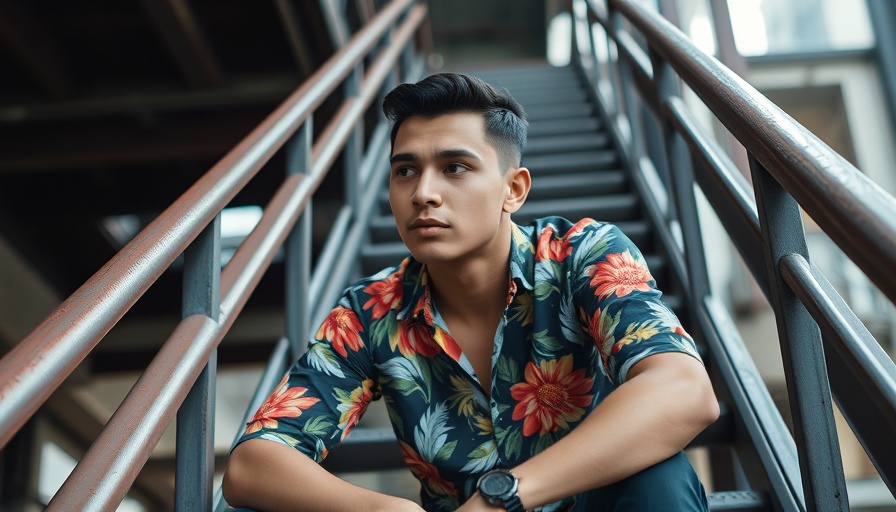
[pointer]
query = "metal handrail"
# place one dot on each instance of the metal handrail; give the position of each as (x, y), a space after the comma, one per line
(853, 210)
(109, 467)
(42, 361)
(788, 163)
(33, 369)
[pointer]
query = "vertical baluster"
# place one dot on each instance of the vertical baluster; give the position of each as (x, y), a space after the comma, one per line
(680, 170)
(298, 249)
(633, 144)
(354, 146)
(196, 416)
(801, 350)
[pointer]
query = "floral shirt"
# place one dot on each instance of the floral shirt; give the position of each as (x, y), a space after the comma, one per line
(581, 310)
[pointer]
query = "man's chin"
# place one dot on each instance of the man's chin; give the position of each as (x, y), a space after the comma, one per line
(430, 256)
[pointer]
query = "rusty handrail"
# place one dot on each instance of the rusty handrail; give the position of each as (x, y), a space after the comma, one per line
(32, 370)
(853, 210)
(109, 467)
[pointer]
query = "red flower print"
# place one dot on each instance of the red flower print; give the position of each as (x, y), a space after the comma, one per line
(386, 294)
(621, 275)
(414, 337)
(579, 227)
(353, 405)
(549, 247)
(341, 328)
(426, 472)
(552, 396)
(283, 403)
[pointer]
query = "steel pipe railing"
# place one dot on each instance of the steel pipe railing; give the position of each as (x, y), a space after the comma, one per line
(108, 469)
(792, 167)
(854, 211)
(39, 363)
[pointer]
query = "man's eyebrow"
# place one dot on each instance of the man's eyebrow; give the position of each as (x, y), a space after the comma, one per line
(458, 153)
(403, 157)
(442, 155)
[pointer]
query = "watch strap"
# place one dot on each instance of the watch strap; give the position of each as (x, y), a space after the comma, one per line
(513, 504)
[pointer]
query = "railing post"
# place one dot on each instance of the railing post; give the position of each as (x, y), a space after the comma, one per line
(298, 249)
(354, 149)
(677, 159)
(801, 349)
(634, 143)
(195, 447)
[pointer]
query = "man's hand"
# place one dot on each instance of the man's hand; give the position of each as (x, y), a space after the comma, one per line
(477, 503)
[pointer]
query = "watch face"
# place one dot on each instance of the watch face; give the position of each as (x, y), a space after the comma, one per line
(497, 484)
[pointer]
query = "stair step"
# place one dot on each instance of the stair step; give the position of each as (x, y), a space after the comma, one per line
(549, 127)
(536, 96)
(574, 110)
(555, 186)
(530, 81)
(741, 501)
(565, 143)
(608, 208)
(572, 162)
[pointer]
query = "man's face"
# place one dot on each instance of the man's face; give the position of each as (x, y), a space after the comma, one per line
(447, 189)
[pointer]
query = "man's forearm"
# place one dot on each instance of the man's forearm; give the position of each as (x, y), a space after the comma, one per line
(269, 476)
(666, 401)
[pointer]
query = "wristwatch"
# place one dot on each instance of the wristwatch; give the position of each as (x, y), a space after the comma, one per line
(498, 487)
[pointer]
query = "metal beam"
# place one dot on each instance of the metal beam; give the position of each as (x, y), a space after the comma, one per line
(203, 138)
(300, 51)
(177, 27)
(34, 47)
(262, 91)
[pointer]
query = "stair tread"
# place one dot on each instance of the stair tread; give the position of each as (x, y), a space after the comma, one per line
(561, 111)
(549, 127)
(569, 142)
(572, 161)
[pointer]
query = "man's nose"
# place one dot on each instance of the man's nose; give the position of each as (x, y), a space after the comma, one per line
(426, 192)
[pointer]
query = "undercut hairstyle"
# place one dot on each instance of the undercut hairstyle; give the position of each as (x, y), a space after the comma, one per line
(448, 93)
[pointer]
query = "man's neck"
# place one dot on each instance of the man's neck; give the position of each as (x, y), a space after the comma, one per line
(475, 287)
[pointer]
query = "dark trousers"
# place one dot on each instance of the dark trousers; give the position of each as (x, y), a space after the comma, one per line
(671, 485)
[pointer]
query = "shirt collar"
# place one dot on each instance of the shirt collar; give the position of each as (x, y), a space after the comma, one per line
(416, 299)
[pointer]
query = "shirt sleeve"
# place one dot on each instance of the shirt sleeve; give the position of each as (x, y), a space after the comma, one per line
(621, 307)
(326, 391)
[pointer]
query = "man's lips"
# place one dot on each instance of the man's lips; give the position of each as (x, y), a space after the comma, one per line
(427, 223)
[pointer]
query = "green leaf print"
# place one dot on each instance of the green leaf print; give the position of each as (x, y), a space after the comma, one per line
(446, 450)
(507, 370)
(318, 426)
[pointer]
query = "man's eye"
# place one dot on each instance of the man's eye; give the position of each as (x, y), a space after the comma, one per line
(455, 169)
(404, 171)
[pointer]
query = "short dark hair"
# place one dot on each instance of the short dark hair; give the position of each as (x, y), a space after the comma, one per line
(446, 93)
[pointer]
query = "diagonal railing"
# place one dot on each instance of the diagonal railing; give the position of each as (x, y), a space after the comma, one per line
(212, 297)
(825, 347)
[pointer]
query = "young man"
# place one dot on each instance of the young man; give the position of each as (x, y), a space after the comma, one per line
(523, 366)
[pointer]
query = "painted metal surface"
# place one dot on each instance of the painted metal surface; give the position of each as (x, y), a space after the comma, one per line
(804, 367)
(106, 472)
(854, 211)
(39, 363)
(195, 444)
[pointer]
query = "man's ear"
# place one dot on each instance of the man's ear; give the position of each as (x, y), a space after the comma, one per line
(518, 182)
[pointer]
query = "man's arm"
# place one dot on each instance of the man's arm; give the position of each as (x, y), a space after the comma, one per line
(270, 476)
(665, 402)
